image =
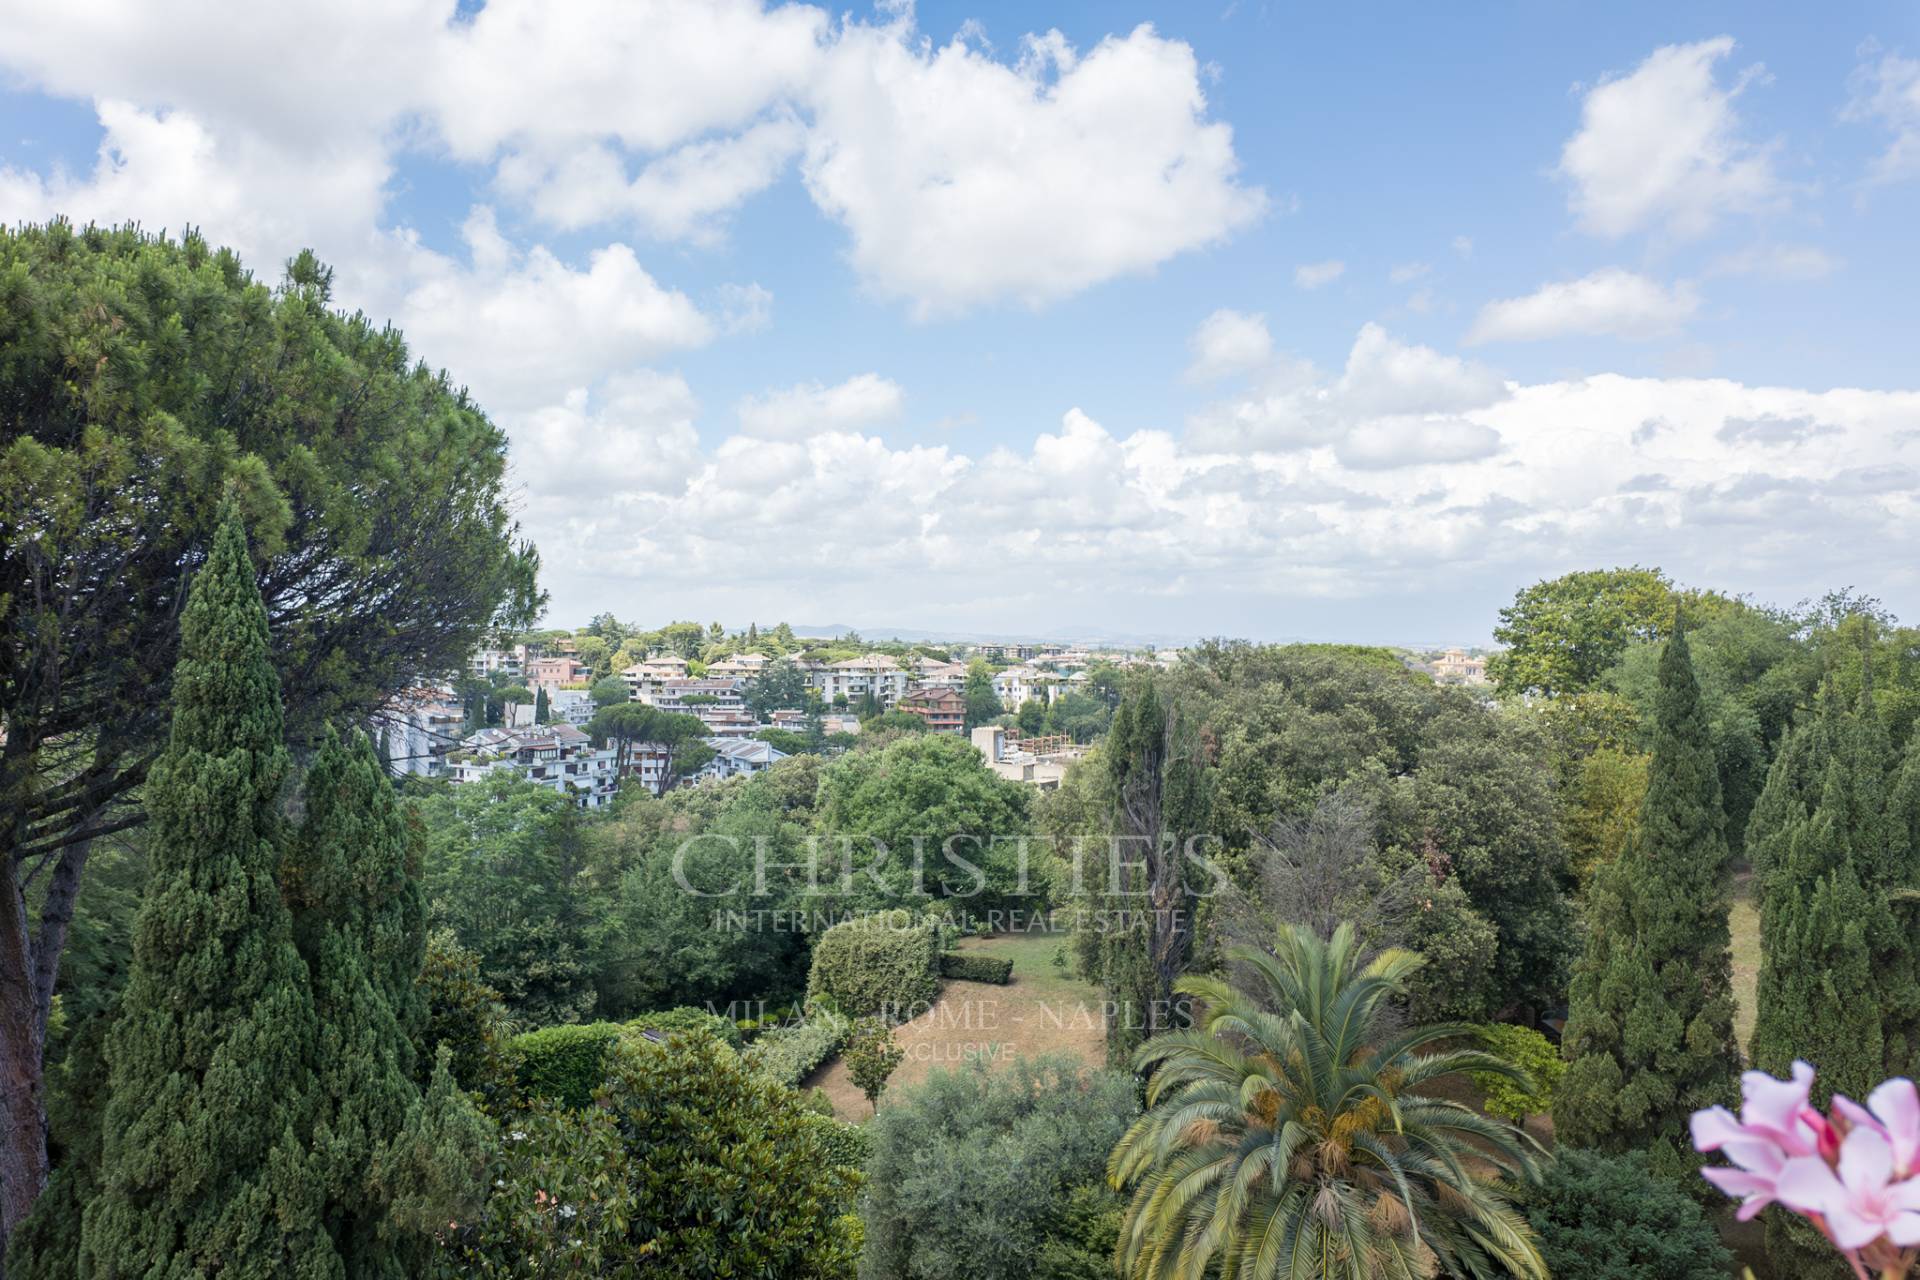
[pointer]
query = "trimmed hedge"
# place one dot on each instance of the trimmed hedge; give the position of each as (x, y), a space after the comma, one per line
(970, 966)
(887, 963)
(669, 1021)
(847, 1145)
(565, 1063)
(789, 1054)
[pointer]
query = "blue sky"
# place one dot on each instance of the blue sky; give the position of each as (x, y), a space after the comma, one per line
(1335, 322)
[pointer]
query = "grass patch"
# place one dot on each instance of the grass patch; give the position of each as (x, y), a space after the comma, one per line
(1745, 924)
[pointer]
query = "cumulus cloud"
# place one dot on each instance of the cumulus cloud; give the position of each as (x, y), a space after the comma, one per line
(1546, 474)
(1609, 302)
(1229, 342)
(515, 323)
(1662, 147)
(963, 180)
(1311, 275)
(1887, 92)
(636, 434)
(865, 400)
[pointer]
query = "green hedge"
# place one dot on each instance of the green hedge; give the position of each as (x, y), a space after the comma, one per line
(847, 1145)
(565, 1063)
(886, 963)
(971, 966)
(684, 1018)
(789, 1054)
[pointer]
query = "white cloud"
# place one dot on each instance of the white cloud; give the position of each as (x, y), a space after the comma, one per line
(1229, 342)
(684, 195)
(1415, 441)
(1661, 147)
(1609, 303)
(1386, 376)
(1407, 271)
(965, 181)
(515, 323)
(1888, 92)
(1777, 261)
(1311, 275)
(862, 401)
(635, 434)
(1294, 406)
(1543, 477)
(1463, 245)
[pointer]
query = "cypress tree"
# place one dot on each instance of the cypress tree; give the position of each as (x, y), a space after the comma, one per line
(359, 923)
(542, 709)
(1649, 1035)
(204, 1162)
(1839, 981)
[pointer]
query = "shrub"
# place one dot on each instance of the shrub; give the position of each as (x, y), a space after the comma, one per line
(1534, 1054)
(790, 1054)
(972, 1172)
(872, 1055)
(693, 1167)
(970, 966)
(886, 963)
(1603, 1217)
(683, 1019)
(733, 1175)
(564, 1064)
(846, 1145)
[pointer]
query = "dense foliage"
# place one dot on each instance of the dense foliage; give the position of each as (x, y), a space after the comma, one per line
(144, 381)
(994, 1176)
(1603, 1217)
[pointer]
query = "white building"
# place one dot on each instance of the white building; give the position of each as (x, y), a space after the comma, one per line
(419, 725)
(644, 676)
(488, 662)
(557, 756)
(741, 666)
(930, 673)
(719, 704)
(571, 706)
(1017, 686)
(855, 678)
(734, 757)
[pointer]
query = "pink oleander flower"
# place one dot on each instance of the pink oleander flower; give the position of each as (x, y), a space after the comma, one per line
(1892, 1111)
(1855, 1176)
(1860, 1201)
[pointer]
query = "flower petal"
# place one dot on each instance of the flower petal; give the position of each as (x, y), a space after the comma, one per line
(1866, 1163)
(1897, 1104)
(1807, 1184)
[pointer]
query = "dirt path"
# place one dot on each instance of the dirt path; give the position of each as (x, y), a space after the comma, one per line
(1043, 1010)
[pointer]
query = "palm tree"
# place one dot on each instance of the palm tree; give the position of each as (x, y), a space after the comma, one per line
(1285, 1135)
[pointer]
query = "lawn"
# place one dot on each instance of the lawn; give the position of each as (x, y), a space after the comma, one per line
(1746, 958)
(1045, 1009)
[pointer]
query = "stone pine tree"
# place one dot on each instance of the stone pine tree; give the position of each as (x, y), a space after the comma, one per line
(204, 1164)
(1649, 1035)
(359, 922)
(1839, 984)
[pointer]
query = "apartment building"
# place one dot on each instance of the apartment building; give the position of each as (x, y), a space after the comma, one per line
(853, 679)
(1457, 666)
(554, 672)
(644, 676)
(944, 709)
(419, 726)
(557, 756)
(491, 662)
(737, 757)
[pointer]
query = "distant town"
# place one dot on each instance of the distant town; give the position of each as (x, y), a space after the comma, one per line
(535, 707)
